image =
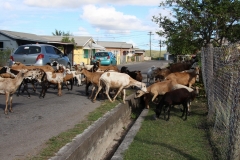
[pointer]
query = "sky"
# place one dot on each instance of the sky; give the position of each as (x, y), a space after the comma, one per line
(105, 20)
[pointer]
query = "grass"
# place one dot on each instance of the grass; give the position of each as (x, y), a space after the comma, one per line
(55, 143)
(173, 139)
(155, 54)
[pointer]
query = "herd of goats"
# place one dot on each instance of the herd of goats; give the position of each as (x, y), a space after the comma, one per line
(173, 84)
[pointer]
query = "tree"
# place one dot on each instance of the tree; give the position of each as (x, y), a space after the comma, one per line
(65, 36)
(195, 23)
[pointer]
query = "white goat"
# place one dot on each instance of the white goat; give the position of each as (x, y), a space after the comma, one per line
(150, 74)
(8, 86)
(78, 76)
(57, 78)
(120, 81)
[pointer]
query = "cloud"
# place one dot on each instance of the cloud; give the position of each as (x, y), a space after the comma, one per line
(108, 19)
(81, 32)
(78, 3)
(7, 5)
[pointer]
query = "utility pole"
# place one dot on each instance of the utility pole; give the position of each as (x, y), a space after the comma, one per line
(150, 34)
(160, 45)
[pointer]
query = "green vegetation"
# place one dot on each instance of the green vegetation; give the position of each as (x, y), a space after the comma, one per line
(193, 24)
(155, 54)
(4, 56)
(173, 139)
(65, 37)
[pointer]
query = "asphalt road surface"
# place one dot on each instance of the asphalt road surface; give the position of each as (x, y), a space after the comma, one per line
(34, 120)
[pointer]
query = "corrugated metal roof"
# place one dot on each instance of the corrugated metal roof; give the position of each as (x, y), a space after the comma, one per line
(23, 36)
(80, 40)
(109, 44)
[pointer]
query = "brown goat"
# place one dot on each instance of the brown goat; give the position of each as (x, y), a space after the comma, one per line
(184, 78)
(18, 66)
(159, 88)
(106, 68)
(92, 77)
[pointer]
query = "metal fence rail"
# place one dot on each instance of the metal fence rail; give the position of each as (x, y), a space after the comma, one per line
(221, 77)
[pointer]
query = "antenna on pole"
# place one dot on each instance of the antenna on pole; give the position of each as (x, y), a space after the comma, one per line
(150, 34)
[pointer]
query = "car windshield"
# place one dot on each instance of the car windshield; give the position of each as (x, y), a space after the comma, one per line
(28, 50)
(101, 54)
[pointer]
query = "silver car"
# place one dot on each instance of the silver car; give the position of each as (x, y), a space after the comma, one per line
(39, 55)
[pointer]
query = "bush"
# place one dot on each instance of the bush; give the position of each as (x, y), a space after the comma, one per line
(4, 57)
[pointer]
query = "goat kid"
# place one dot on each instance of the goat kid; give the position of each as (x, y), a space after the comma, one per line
(174, 97)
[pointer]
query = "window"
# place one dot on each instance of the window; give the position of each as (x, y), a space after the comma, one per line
(58, 51)
(85, 54)
(50, 50)
(101, 54)
(1, 44)
(28, 50)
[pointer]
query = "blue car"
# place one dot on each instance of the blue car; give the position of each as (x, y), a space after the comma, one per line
(106, 58)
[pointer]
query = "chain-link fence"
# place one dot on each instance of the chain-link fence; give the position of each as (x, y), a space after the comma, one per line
(221, 77)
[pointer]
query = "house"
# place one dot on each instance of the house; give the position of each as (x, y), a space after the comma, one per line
(82, 51)
(85, 47)
(11, 40)
(120, 49)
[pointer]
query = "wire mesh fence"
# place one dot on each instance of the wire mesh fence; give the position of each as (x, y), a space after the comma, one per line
(220, 70)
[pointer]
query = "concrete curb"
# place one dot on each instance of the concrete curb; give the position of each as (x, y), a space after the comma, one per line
(94, 141)
(130, 136)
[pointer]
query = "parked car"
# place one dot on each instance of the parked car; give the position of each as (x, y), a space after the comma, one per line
(106, 58)
(39, 55)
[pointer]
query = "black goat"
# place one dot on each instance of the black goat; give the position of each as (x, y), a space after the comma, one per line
(137, 75)
(175, 97)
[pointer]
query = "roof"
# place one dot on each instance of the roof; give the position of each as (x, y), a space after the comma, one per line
(109, 44)
(80, 40)
(23, 36)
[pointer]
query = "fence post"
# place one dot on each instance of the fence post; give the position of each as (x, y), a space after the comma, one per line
(209, 79)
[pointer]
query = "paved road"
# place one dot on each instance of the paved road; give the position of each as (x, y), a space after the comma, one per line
(35, 120)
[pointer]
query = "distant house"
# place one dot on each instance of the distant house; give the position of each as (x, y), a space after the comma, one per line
(120, 49)
(84, 49)
(139, 54)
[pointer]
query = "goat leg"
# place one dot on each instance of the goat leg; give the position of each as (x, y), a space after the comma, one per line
(59, 89)
(119, 90)
(10, 106)
(87, 86)
(25, 88)
(107, 93)
(6, 102)
(99, 89)
(185, 110)
(19, 88)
